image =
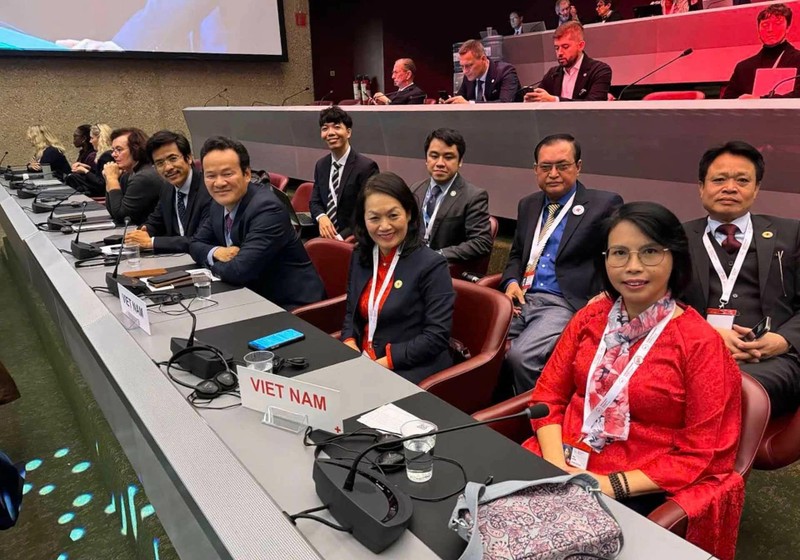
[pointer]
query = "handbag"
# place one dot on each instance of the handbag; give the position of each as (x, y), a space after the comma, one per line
(555, 518)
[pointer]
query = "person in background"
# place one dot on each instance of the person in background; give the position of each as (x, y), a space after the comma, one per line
(676, 6)
(48, 151)
(409, 93)
(606, 12)
(399, 293)
(132, 185)
(774, 23)
(80, 139)
(565, 12)
(88, 177)
(515, 19)
(485, 81)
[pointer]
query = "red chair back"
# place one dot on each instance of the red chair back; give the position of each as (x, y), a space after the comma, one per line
(302, 197)
(429, 101)
(674, 95)
(780, 446)
(350, 102)
(478, 266)
(331, 258)
(278, 181)
(755, 416)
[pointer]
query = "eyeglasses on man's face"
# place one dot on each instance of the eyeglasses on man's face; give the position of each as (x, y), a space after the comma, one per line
(548, 167)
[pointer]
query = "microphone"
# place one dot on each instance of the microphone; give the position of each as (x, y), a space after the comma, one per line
(2, 159)
(39, 207)
(687, 52)
(375, 510)
(771, 93)
(285, 99)
(79, 249)
(469, 277)
(323, 97)
(54, 224)
(201, 362)
(218, 94)
(113, 281)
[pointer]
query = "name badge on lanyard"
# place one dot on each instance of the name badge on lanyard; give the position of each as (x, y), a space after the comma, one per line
(373, 301)
(540, 239)
(723, 318)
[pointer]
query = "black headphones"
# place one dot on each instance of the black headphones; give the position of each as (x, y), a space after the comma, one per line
(223, 383)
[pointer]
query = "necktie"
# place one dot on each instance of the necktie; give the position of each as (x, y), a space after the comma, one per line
(730, 243)
(333, 195)
(182, 208)
(430, 206)
(552, 212)
(479, 92)
(228, 229)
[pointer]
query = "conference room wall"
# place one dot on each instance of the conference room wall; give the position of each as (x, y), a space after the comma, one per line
(151, 94)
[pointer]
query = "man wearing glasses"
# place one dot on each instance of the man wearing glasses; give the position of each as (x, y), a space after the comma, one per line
(183, 204)
(550, 272)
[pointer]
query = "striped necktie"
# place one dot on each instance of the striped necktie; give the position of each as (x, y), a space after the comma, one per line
(552, 212)
(333, 195)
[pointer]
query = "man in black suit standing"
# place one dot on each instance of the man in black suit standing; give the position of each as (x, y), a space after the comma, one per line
(403, 74)
(485, 81)
(455, 213)
(745, 267)
(248, 239)
(338, 177)
(550, 272)
(577, 77)
(184, 200)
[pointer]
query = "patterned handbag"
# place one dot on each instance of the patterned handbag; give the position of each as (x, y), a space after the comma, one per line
(550, 519)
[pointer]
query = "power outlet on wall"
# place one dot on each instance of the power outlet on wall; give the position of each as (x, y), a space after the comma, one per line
(333, 73)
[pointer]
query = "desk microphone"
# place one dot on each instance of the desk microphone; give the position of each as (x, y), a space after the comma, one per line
(2, 159)
(79, 249)
(687, 52)
(113, 281)
(218, 94)
(40, 207)
(201, 362)
(285, 99)
(323, 97)
(54, 224)
(769, 95)
(374, 509)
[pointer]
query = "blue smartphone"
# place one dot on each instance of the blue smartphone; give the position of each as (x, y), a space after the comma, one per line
(276, 340)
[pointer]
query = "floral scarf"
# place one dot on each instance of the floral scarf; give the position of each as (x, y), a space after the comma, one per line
(622, 333)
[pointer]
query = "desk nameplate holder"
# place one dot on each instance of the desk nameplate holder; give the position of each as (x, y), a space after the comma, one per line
(285, 420)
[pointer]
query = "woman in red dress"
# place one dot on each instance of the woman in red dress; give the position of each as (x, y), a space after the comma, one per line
(642, 392)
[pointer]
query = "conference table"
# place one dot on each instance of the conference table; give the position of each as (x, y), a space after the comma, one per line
(220, 480)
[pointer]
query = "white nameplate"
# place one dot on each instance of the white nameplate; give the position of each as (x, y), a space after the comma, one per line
(134, 308)
(320, 405)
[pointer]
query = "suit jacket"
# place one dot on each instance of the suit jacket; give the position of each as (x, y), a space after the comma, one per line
(502, 84)
(593, 82)
(461, 229)
(163, 222)
(780, 295)
(271, 261)
(579, 247)
(138, 197)
(357, 169)
(613, 16)
(416, 318)
(412, 95)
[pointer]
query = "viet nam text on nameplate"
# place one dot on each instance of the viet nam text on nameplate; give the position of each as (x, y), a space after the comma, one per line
(135, 308)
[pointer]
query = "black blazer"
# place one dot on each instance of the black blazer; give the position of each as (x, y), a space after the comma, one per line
(271, 261)
(593, 83)
(744, 75)
(580, 244)
(416, 318)
(502, 84)
(357, 169)
(56, 160)
(412, 95)
(163, 222)
(138, 197)
(462, 230)
(613, 16)
(780, 297)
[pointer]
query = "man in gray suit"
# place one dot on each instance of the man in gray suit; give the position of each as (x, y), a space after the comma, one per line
(455, 213)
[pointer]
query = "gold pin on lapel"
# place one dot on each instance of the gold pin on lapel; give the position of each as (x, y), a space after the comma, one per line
(767, 235)
(398, 284)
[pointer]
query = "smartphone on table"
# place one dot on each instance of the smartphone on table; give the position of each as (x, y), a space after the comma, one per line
(276, 340)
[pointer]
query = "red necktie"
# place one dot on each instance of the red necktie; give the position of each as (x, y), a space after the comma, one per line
(730, 243)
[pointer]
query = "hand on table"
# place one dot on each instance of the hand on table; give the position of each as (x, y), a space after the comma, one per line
(226, 254)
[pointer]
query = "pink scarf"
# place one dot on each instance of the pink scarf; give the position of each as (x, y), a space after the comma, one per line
(622, 333)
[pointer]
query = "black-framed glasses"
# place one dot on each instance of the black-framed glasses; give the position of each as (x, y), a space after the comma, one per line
(560, 167)
(648, 256)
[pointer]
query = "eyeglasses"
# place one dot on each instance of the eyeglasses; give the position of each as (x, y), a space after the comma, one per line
(172, 160)
(118, 150)
(648, 256)
(548, 167)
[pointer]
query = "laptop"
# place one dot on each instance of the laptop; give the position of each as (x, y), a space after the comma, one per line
(302, 219)
(533, 27)
(768, 79)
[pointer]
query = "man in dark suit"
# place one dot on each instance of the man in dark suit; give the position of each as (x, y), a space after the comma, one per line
(184, 201)
(606, 12)
(745, 268)
(248, 239)
(484, 81)
(455, 213)
(577, 77)
(409, 93)
(550, 272)
(343, 173)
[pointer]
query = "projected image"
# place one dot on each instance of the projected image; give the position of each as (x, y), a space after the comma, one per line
(251, 27)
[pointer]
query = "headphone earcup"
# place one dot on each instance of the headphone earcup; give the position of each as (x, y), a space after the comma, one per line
(208, 389)
(226, 380)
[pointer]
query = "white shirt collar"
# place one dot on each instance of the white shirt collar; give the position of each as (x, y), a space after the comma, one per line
(187, 186)
(575, 67)
(741, 222)
(341, 161)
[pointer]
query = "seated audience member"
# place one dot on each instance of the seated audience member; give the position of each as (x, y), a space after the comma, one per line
(339, 177)
(672, 429)
(550, 271)
(485, 81)
(676, 6)
(745, 268)
(81, 140)
(409, 93)
(248, 239)
(399, 293)
(132, 185)
(455, 213)
(48, 151)
(606, 12)
(515, 19)
(577, 77)
(565, 12)
(774, 22)
(184, 201)
(88, 177)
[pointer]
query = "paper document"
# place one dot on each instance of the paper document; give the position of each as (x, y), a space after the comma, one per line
(387, 418)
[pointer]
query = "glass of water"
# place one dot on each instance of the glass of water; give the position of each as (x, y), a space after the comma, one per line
(133, 255)
(202, 286)
(260, 360)
(419, 451)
